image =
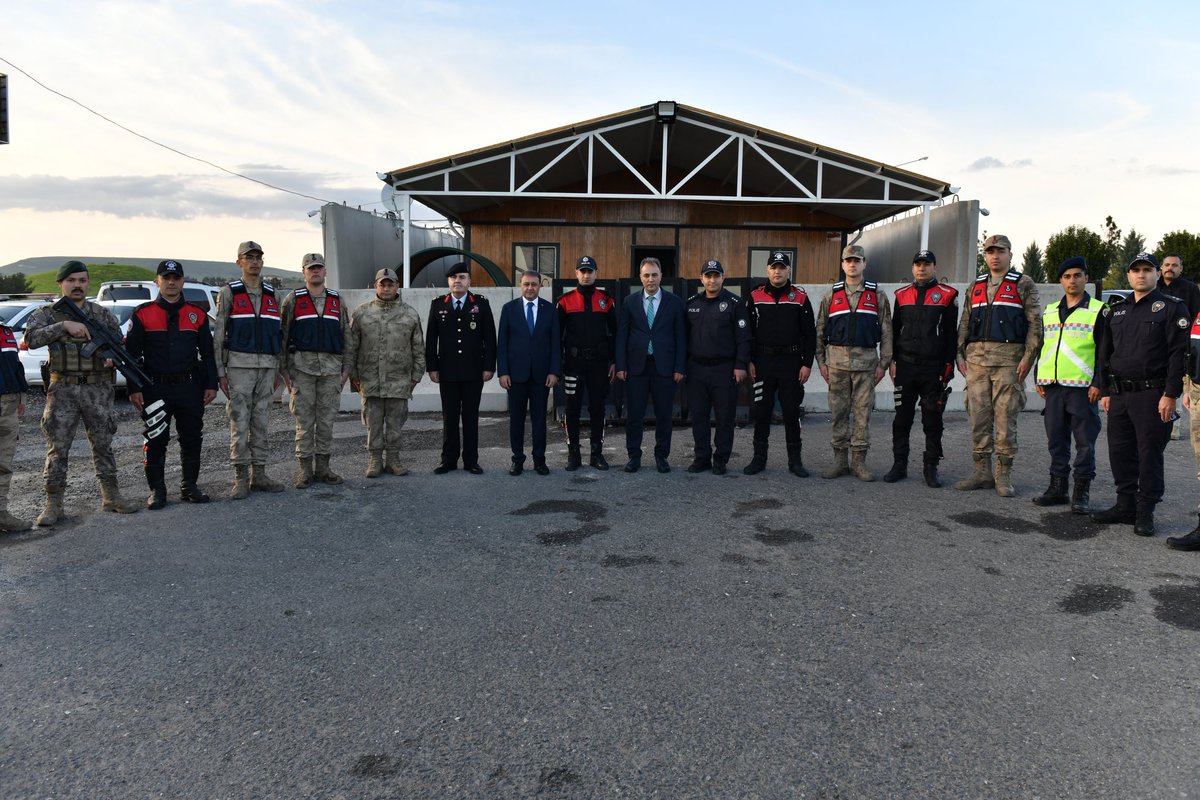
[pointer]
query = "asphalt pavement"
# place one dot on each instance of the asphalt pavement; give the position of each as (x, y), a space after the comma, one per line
(596, 635)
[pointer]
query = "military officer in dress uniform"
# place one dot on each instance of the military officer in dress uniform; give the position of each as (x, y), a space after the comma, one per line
(12, 408)
(1143, 358)
(718, 354)
(80, 388)
(171, 338)
(460, 354)
(924, 340)
(785, 340)
(587, 317)
(314, 337)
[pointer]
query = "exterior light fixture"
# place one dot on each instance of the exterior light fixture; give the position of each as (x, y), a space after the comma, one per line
(664, 112)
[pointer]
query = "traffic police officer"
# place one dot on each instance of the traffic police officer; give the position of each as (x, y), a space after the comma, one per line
(80, 388)
(314, 335)
(12, 408)
(785, 340)
(1144, 358)
(460, 354)
(718, 354)
(924, 339)
(587, 317)
(171, 338)
(1067, 380)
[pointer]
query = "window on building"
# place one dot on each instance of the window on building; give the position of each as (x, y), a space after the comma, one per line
(541, 258)
(759, 256)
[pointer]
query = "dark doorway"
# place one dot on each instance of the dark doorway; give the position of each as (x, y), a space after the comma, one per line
(666, 255)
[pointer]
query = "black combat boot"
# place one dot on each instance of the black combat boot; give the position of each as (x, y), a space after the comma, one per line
(574, 458)
(795, 462)
(930, 471)
(898, 472)
(597, 461)
(1081, 496)
(189, 490)
(759, 462)
(1124, 512)
(1055, 494)
(1189, 541)
(158, 487)
(1143, 523)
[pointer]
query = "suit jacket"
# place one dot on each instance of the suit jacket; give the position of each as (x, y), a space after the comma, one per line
(524, 356)
(668, 335)
(460, 345)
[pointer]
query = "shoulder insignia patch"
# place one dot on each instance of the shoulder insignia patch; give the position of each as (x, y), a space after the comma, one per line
(1159, 305)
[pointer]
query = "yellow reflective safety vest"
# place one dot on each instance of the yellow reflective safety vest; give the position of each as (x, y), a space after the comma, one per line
(1068, 354)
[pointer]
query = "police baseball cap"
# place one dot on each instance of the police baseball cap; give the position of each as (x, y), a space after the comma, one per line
(586, 262)
(69, 268)
(925, 255)
(1140, 258)
(854, 251)
(780, 257)
(712, 265)
(249, 247)
(170, 267)
(386, 274)
(997, 240)
(458, 268)
(1074, 262)
(312, 260)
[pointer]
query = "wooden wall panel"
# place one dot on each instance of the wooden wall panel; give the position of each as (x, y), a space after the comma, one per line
(817, 254)
(632, 212)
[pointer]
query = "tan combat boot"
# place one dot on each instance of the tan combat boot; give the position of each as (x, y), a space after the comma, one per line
(858, 466)
(374, 464)
(393, 463)
(304, 473)
(1004, 486)
(841, 464)
(9, 523)
(241, 482)
(111, 500)
(54, 510)
(260, 481)
(324, 473)
(981, 478)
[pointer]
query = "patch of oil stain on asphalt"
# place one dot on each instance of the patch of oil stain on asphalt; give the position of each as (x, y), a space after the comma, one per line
(990, 521)
(374, 765)
(1092, 598)
(554, 779)
(1070, 527)
(778, 537)
(734, 558)
(613, 560)
(1178, 606)
(586, 511)
(992, 571)
(573, 536)
(765, 504)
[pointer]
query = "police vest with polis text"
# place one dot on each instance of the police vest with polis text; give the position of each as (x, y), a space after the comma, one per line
(1068, 354)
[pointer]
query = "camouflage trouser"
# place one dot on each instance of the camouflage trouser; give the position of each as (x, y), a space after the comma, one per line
(994, 397)
(851, 392)
(10, 431)
(251, 392)
(66, 404)
(315, 401)
(1194, 422)
(384, 417)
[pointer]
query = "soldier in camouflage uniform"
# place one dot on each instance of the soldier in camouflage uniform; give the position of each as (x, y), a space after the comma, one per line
(385, 355)
(314, 335)
(247, 343)
(12, 408)
(80, 388)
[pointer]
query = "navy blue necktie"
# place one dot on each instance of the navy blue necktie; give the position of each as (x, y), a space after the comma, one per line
(529, 316)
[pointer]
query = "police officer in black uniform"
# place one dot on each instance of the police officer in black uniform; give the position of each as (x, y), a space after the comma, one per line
(718, 354)
(785, 341)
(924, 344)
(587, 318)
(172, 340)
(1191, 540)
(460, 355)
(1143, 358)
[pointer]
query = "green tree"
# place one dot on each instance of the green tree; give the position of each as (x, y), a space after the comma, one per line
(1186, 246)
(980, 264)
(1031, 263)
(15, 284)
(1112, 242)
(1077, 240)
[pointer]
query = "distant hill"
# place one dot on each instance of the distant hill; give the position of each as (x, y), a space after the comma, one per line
(196, 270)
(97, 273)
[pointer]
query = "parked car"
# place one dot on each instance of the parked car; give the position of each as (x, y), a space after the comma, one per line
(36, 361)
(1112, 296)
(200, 294)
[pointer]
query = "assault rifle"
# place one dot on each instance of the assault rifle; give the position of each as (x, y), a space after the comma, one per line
(107, 346)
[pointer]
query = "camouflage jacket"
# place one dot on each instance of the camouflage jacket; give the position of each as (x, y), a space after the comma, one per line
(385, 348)
(45, 329)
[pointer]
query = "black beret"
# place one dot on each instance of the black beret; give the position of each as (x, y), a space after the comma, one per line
(457, 267)
(1072, 263)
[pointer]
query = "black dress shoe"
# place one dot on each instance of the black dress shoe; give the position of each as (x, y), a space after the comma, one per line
(474, 469)
(699, 466)
(539, 466)
(661, 464)
(516, 469)
(633, 465)
(442, 469)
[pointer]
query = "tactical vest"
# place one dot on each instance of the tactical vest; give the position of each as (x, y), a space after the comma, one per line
(858, 326)
(249, 331)
(1194, 351)
(12, 374)
(64, 354)
(1002, 320)
(1068, 354)
(316, 332)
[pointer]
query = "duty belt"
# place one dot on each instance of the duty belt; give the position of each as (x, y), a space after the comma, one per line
(777, 351)
(588, 353)
(78, 379)
(711, 362)
(1121, 385)
(172, 380)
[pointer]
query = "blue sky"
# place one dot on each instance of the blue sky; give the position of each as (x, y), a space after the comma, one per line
(1049, 114)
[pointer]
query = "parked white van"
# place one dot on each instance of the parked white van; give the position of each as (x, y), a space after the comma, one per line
(200, 294)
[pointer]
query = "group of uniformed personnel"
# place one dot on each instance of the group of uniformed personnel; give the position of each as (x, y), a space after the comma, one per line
(1130, 361)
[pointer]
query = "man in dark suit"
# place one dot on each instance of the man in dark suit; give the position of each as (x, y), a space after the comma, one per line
(529, 354)
(460, 354)
(651, 352)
